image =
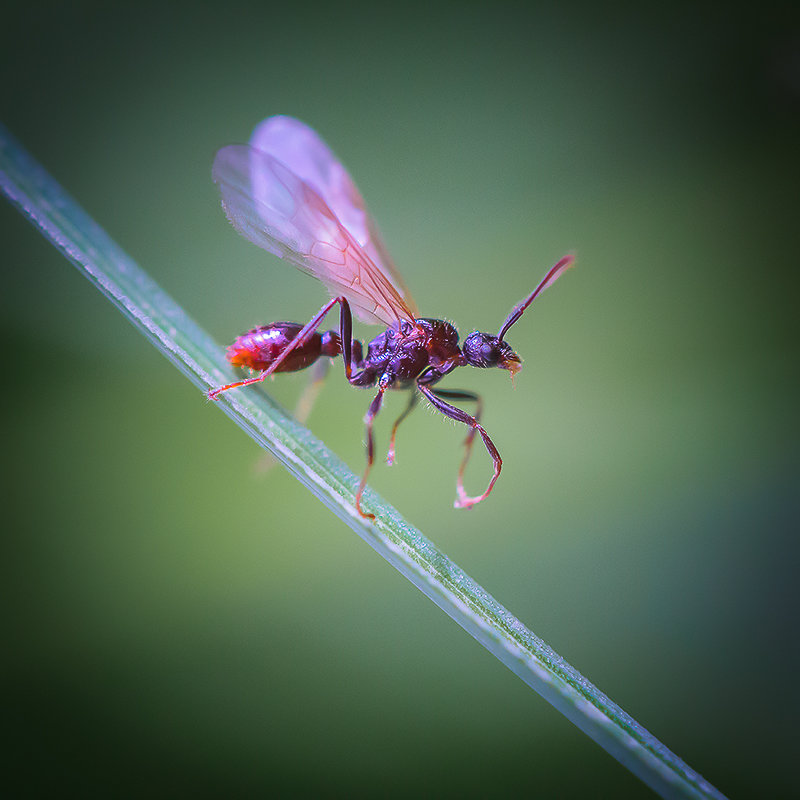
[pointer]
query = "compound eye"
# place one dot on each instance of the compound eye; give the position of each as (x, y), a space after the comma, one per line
(482, 350)
(490, 353)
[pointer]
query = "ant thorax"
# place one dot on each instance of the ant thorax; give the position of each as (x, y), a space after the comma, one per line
(403, 351)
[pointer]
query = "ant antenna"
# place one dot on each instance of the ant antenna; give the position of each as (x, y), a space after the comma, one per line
(548, 280)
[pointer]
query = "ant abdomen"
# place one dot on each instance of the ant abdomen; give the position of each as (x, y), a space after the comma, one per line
(260, 347)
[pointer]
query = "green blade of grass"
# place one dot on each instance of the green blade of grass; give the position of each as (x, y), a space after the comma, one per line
(202, 360)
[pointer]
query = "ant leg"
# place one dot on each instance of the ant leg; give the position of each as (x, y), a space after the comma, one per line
(311, 391)
(369, 418)
(463, 501)
(412, 401)
(304, 405)
(213, 394)
(469, 397)
(345, 322)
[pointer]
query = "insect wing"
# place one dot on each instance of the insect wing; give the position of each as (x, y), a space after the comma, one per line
(275, 209)
(301, 149)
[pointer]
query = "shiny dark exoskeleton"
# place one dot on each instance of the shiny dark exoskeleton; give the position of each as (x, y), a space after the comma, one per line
(287, 193)
(261, 347)
(395, 358)
(407, 354)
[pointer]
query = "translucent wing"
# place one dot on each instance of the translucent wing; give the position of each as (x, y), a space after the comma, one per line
(273, 207)
(301, 149)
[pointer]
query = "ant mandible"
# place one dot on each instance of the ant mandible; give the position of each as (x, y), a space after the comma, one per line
(287, 193)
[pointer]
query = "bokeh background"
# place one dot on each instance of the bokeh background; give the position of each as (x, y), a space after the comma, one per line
(179, 624)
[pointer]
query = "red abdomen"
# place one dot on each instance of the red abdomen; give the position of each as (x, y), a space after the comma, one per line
(260, 347)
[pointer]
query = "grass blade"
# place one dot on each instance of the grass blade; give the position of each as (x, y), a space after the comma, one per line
(201, 359)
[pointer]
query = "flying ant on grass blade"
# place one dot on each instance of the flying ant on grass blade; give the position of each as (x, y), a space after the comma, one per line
(287, 193)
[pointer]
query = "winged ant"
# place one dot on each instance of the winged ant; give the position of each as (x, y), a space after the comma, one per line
(287, 193)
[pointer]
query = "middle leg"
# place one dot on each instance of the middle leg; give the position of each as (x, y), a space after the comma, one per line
(369, 418)
(412, 401)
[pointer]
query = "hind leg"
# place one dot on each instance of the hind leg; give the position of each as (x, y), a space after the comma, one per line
(346, 336)
(311, 391)
(304, 405)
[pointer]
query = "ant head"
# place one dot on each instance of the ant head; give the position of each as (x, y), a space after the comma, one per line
(487, 350)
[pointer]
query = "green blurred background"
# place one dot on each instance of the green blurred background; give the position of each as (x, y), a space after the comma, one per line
(178, 624)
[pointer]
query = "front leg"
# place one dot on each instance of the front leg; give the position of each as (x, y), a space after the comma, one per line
(469, 397)
(435, 398)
